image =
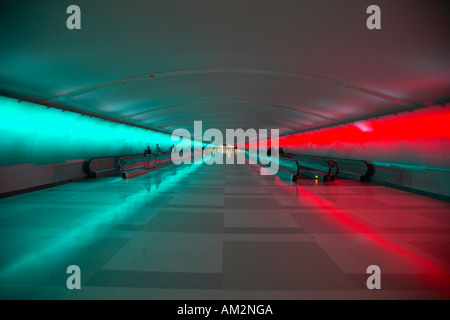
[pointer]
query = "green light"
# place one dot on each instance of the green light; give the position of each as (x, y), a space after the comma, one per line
(33, 133)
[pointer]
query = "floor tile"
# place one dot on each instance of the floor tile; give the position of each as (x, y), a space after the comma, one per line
(170, 252)
(280, 266)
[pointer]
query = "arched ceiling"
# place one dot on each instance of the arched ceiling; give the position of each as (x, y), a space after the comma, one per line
(289, 65)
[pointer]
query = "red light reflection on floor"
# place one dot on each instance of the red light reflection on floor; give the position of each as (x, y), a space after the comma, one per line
(349, 223)
(333, 214)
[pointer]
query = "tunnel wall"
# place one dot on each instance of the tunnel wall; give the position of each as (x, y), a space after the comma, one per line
(41, 145)
(410, 149)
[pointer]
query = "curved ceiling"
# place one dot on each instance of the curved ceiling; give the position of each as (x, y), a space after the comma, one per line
(289, 65)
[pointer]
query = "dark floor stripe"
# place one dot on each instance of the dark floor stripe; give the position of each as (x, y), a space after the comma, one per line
(263, 230)
(147, 279)
(407, 282)
(192, 206)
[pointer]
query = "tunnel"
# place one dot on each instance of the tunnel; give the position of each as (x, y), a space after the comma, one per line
(225, 150)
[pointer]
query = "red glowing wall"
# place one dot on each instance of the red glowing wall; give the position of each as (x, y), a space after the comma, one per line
(420, 138)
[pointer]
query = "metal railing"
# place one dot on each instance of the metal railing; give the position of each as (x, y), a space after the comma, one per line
(143, 163)
(316, 167)
(347, 168)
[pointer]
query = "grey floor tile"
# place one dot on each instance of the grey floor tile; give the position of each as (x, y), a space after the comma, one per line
(170, 252)
(251, 203)
(197, 222)
(281, 266)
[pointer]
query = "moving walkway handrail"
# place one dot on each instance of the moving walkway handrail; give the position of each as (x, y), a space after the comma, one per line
(125, 166)
(362, 167)
(347, 167)
(332, 166)
(105, 164)
(282, 159)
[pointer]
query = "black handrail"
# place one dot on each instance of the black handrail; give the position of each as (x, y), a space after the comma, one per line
(289, 166)
(126, 164)
(314, 167)
(105, 166)
(334, 164)
(347, 168)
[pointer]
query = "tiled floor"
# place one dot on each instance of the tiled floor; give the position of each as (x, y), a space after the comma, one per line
(223, 232)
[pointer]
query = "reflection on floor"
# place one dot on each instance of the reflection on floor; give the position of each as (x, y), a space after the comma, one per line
(223, 232)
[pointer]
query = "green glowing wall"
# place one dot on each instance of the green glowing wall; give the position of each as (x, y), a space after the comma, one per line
(34, 134)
